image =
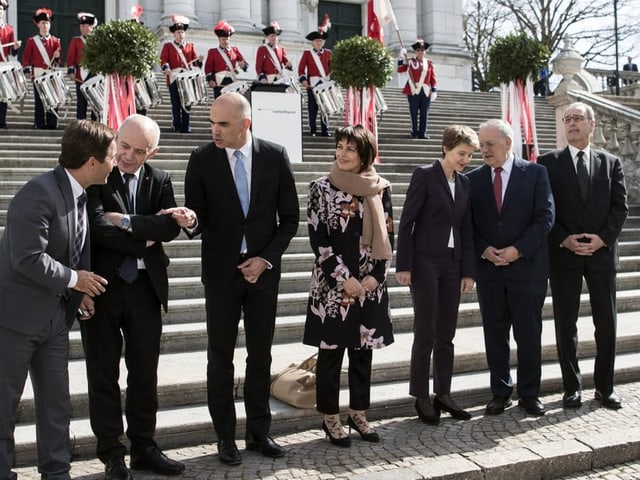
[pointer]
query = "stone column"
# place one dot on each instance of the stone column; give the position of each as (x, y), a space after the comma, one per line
(285, 12)
(179, 7)
(238, 14)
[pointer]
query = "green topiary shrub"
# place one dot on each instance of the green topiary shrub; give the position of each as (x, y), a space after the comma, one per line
(360, 62)
(123, 47)
(515, 57)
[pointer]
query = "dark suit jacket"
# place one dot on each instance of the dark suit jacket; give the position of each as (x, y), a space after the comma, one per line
(631, 68)
(35, 254)
(524, 222)
(604, 213)
(111, 244)
(272, 219)
(428, 215)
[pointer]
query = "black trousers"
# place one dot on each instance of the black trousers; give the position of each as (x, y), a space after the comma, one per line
(129, 315)
(566, 286)
(312, 106)
(518, 304)
(258, 304)
(3, 114)
(328, 379)
(435, 289)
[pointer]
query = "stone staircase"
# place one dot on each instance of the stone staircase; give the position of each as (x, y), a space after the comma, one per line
(183, 418)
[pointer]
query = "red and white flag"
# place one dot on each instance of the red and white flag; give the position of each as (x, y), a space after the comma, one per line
(379, 14)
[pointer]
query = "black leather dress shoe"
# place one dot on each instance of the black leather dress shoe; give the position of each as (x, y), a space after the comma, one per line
(153, 460)
(572, 400)
(497, 405)
(266, 445)
(532, 406)
(228, 452)
(612, 401)
(116, 469)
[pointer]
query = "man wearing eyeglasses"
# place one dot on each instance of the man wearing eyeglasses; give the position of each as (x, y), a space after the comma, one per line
(591, 207)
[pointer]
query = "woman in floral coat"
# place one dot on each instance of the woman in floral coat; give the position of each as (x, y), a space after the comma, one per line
(351, 232)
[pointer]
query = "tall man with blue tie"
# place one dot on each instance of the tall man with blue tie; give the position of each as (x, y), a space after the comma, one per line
(44, 272)
(243, 192)
(591, 203)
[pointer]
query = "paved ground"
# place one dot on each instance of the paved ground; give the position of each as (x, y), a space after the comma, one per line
(586, 444)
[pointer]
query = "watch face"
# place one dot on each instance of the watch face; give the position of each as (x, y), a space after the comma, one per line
(125, 222)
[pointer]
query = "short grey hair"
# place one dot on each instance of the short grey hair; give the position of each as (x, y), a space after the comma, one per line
(503, 127)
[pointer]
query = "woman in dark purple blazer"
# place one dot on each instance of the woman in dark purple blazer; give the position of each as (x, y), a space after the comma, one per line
(435, 257)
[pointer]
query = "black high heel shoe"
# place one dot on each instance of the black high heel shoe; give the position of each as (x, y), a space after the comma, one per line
(455, 412)
(340, 442)
(432, 419)
(371, 436)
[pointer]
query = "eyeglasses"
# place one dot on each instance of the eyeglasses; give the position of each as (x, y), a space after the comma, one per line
(571, 118)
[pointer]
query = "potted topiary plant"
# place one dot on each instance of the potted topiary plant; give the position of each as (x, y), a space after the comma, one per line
(514, 63)
(122, 51)
(360, 65)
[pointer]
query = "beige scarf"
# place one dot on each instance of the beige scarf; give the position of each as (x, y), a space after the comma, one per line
(369, 185)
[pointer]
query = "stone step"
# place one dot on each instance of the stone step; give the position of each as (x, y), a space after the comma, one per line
(191, 424)
(182, 376)
(186, 331)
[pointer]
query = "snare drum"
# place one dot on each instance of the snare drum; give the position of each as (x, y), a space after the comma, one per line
(93, 91)
(239, 86)
(13, 84)
(192, 88)
(329, 98)
(53, 90)
(147, 93)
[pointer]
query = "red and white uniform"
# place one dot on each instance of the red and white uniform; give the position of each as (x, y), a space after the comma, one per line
(6, 36)
(74, 55)
(308, 69)
(414, 69)
(32, 60)
(171, 60)
(215, 65)
(265, 68)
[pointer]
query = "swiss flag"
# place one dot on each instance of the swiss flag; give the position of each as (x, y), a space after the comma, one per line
(379, 13)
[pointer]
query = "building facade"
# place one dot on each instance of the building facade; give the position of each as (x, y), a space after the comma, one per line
(438, 22)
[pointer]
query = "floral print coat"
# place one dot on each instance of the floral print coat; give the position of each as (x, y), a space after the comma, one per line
(335, 320)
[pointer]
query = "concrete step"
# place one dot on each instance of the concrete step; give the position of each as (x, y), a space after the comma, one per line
(191, 425)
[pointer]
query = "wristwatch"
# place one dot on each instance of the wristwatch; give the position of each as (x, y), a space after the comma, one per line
(125, 222)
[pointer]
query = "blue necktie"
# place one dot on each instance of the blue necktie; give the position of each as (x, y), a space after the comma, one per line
(79, 237)
(242, 185)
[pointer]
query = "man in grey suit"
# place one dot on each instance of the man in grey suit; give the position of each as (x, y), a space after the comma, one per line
(44, 286)
(591, 201)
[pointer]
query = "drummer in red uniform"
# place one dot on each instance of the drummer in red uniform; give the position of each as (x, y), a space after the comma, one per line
(315, 68)
(176, 57)
(224, 61)
(41, 55)
(420, 88)
(271, 58)
(87, 22)
(10, 48)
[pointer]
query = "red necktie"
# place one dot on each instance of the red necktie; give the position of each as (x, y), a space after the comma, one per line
(497, 187)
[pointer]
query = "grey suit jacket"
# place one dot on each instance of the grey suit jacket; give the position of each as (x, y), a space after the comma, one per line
(35, 254)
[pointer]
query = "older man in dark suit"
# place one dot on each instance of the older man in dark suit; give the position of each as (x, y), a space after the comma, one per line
(591, 201)
(44, 271)
(128, 225)
(243, 191)
(513, 211)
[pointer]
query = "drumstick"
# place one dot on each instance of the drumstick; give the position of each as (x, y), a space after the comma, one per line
(7, 44)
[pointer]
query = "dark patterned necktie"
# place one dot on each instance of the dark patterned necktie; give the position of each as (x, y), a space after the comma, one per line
(80, 226)
(129, 266)
(497, 187)
(583, 175)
